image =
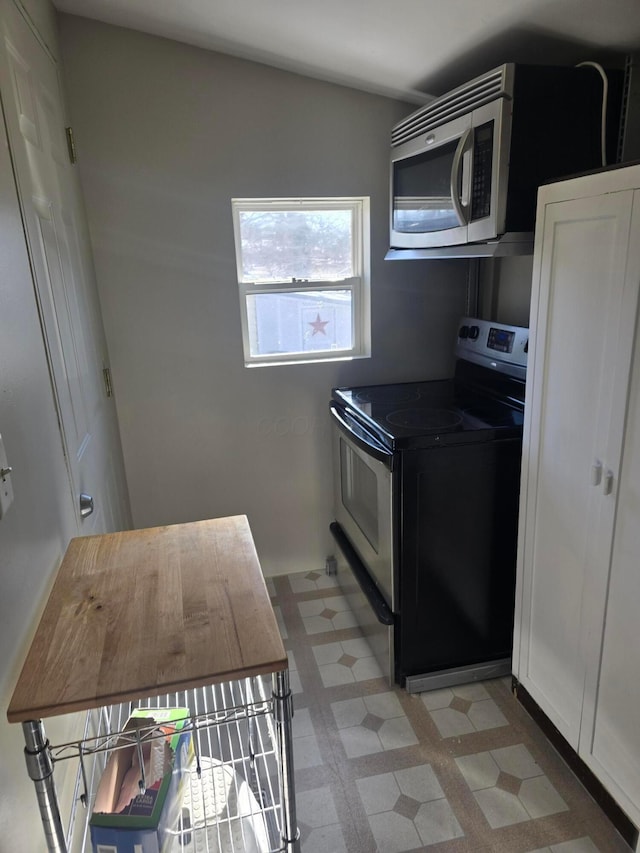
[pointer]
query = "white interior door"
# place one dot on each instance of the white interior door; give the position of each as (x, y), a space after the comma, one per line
(63, 273)
(578, 303)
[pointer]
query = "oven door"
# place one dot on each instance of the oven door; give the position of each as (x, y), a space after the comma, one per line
(363, 498)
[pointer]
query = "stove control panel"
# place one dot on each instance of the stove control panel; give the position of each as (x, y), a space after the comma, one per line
(492, 344)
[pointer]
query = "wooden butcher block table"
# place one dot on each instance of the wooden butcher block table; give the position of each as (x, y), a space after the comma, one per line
(145, 613)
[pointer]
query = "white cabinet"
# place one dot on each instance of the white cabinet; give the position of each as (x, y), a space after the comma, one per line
(576, 644)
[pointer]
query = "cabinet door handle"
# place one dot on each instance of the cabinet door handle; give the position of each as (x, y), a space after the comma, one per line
(608, 482)
(596, 473)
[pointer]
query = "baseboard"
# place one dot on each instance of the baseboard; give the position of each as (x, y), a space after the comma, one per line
(593, 785)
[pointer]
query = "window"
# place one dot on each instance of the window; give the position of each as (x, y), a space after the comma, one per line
(303, 275)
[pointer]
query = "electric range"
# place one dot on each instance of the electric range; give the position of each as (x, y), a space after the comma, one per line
(426, 502)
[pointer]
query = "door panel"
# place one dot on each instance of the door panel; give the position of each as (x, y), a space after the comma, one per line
(572, 392)
(64, 279)
(610, 741)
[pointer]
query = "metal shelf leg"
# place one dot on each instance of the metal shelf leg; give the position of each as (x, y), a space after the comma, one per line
(40, 769)
(283, 714)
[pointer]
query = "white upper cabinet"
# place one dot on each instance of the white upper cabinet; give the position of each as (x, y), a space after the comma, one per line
(574, 650)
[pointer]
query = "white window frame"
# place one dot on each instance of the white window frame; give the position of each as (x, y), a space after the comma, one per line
(358, 284)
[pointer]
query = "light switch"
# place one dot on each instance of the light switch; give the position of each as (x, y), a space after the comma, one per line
(6, 489)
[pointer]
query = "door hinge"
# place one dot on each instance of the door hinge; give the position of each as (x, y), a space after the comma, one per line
(71, 144)
(108, 387)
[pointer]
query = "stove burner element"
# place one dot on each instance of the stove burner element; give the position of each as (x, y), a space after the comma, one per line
(388, 394)
(425, 419)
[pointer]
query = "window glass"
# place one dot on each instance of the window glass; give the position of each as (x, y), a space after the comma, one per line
(300, 322)
(303, 278)
(280, 245)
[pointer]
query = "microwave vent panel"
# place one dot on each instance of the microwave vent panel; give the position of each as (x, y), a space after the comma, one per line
(459, 102)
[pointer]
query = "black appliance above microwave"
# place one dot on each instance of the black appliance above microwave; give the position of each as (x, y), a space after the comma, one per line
(465, 168)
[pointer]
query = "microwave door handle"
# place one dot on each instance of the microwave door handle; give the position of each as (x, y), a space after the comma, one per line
(460, 207)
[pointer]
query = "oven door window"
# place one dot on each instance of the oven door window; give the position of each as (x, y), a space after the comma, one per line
(359, 490)
(422, 200)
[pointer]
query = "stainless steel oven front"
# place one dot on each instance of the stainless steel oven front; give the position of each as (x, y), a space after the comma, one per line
(364, 513)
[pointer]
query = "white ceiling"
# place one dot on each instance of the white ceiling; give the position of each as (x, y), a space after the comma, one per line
(396, 47)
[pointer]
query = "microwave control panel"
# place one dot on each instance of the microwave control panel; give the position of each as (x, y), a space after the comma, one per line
(482, 171)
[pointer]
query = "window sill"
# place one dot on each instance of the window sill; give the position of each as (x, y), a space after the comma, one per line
(288, 362)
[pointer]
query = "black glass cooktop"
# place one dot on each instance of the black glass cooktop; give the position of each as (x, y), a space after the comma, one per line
(422, 414)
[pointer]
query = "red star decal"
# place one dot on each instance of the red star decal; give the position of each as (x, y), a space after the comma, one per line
(318, 326)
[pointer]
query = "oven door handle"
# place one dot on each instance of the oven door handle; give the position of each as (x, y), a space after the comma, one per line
(369, 446)
(381, 609)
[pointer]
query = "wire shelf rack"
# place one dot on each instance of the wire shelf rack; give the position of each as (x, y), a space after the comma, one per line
(232, 801)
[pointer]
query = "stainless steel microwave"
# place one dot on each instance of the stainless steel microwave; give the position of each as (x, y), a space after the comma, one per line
(465, 168)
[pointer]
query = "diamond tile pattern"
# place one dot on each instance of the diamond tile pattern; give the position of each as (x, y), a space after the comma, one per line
(463, 710)
(510, 786)
(372, 722)
(462, 706)
(509, 783)
(458, 770)
(327, 613)
(407, 807)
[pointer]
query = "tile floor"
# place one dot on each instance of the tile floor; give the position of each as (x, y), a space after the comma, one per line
(462, 770)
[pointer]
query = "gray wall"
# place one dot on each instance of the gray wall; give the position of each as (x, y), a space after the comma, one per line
(505, 289)
(167, 134)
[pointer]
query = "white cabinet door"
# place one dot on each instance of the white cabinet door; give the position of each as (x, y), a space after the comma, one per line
(610, 736)
(577, 377)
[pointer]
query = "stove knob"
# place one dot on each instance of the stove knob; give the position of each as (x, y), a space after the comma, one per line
(463, 332)
(474, 331)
